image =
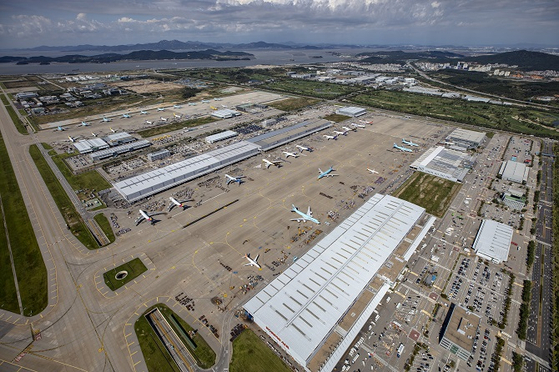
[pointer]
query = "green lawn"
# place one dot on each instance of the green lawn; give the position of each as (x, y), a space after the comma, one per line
(156, 356)
(91, 180)
(311, 88)
(292, 104)
(18, 124)
(105, 225)
(71, 216)
(251, 354)
(28, 261)
(175, 126)
(135, 268)
(430, 192)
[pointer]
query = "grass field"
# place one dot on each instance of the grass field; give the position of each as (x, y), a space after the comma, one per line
(69, 213)
(156, 356)
(90, 180)
(292, 104)
(175, 126)
(311, 88)
(430, 192)
(105, 225)
(28, 261)
(506, 118)
(13, 115)
(250, 354)
(135, 268)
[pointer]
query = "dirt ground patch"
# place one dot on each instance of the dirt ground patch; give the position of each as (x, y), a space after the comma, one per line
(146, 86)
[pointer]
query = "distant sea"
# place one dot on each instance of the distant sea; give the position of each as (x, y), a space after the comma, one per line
(265, 57)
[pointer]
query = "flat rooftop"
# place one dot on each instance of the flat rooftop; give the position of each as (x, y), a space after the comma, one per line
(462, 327)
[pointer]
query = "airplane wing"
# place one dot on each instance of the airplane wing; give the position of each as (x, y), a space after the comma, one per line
(138, 220)
(171, 206)
(320, 170)
(256, 258)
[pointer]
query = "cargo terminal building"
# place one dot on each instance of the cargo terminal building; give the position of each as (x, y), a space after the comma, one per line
(315, 309)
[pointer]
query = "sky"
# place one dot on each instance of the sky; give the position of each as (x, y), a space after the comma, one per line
(30, 23)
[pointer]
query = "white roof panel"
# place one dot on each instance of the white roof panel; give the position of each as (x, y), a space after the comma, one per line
(493, 240)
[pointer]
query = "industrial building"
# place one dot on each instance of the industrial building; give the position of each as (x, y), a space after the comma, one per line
(273, 139)
(120, 138)
(225, 114)
(315, 308)
(117, 150)
(444, 163)
(514, 171)
(468, 139)
(458, 331)
(514, 199)
(221, 136)
(86, 146)
(158, 155)
(351, 111)
(493, 240)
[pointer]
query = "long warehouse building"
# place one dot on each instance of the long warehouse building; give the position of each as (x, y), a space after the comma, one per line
(315, 308)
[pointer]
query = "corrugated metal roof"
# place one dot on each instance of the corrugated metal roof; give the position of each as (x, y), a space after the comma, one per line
(493, 240)
(303, 305)
(221, 136)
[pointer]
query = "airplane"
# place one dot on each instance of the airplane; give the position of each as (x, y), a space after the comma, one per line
(162, 118)
(126, 116)
(372, 171)
(402, 148)
(143, 112)
(177, 116)
(177, 106)
(191, 103)
(60, 129)
(288, 154)
(83, 124)
(175, 202)
(274, 162)
(234, 179)
(252, 262)
(409, 143)
(217, 99)
(160, 109)
(326, 173)
(348, 129)
(205, 101)
(113, 130)
(94, 134)
(213, 108)
(72, 139)
(304, 216)
(106, 120)
(149, 122)
(146, 216)
(330, 137)
(357, 125)
(366, 122)
(344, 133)
(303, 148)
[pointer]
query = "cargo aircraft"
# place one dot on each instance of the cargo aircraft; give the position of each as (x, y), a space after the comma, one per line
(304, 216)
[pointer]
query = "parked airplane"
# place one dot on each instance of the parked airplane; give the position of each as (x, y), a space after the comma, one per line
(149, 122)
(83, 124)
(162, 118)
(252, 262)
(72, 139)
(273, 162)
(126, 116)
(372, 171)
(344, 133)
(146, 216)
(326, 173)
(177, 116)
(60, 129)
(402, 148)
(176, 203)
(205, 101)
(328, 137)
(366, 122)
(234, 179)
(357, 125)
(161, 109)
(304, 216)
(177, 106)
(288, 154)
(303, 148)
(105, 120)
(94, 134)
(113, 130)
(217, 99)
(143, 112)
(191, 103)
(409, 143)
(213, 108)
(348, 129)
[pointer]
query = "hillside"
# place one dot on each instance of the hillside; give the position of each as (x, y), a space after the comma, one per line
(525, 60)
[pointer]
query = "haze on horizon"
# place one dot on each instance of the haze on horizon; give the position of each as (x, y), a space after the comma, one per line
(29, 23)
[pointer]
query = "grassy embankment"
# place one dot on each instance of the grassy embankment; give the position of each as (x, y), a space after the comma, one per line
(430, 192)
(71, 216)
(29, 266)
(135, 268)
(156, 356)
(251, 354)
(13, 115)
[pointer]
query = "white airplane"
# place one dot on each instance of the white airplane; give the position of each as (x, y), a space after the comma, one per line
(191, 103)
(160, 109)
(402, 148)
(205, 101)
(304, 216)
(326, 173)
(177, 106)
(349, 129)
(126, 116)
(217, 99)
(234, 179)
(366, 122)
(94, 134)
(344, 133)
(143, 112)
(60, 129)
(113, 130)
(149, 122)
(409, 143)
(372, 171)
(328, 137)
(146, 216)
(72, 139)
(357, 125)
(274, 162)
(83, 124)
(176, 203)
(162, 118)
(303, 148)
(177, 116)
(288, 154)
(105, 120)
(252, 262)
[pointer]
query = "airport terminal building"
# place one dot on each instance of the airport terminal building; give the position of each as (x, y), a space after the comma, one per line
(315, 309)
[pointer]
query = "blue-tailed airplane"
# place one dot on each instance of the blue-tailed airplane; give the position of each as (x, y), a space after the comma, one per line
(328, 137)
(106, 120)
(326, 173)
(304, 216)
(409, 143)
(83, 124)
(402, 148)
(126, 116)
(143, 112)
(304, 148)
(238, 179)
(60, 129)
